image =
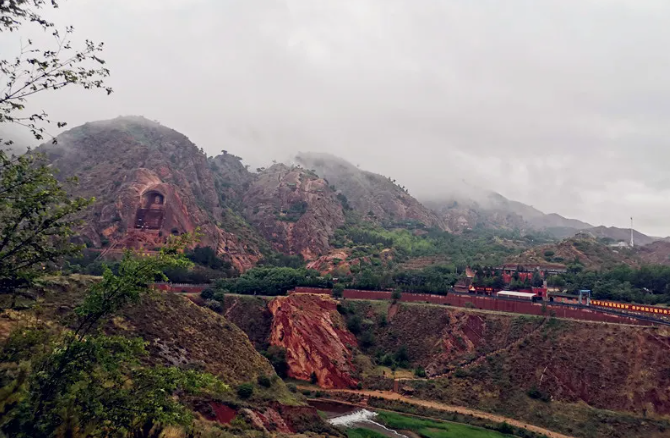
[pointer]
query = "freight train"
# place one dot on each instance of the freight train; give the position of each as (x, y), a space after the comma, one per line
(632, 308)
(541, 294)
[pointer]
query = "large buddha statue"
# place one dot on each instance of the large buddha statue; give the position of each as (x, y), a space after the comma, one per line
(158, 203)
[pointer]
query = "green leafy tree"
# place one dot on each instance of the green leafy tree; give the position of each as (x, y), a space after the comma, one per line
(36, 215)
(396, 294)
(264, 381)
(82, 380)
(277, 357)
(245, 390)
(34, 69)
(37, 220)
(355, 324)
(401, 357)
(207, 294)
(338, 290)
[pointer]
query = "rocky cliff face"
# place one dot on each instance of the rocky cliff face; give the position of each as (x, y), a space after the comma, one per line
(294, 210)
(149, 181)
(376, 197)
(315, 338)
(231, 178)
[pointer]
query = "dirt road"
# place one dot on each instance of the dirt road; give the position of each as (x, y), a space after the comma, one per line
(448, 408)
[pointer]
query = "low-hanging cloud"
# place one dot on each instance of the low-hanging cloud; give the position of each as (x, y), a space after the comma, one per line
(561, 104)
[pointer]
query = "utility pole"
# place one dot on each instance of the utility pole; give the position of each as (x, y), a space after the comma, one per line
(631, 233)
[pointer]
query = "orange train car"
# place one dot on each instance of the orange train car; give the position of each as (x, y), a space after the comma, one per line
(628, 307)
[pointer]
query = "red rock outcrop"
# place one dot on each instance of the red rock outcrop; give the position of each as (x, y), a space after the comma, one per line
(125, 163)
(315, 338)
(293, 209)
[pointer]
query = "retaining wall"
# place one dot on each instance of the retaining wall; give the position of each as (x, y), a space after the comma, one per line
(487, 303)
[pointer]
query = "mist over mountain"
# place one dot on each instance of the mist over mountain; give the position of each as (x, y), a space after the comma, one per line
(20, 137)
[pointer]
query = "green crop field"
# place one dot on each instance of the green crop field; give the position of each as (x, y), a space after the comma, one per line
(435, 429)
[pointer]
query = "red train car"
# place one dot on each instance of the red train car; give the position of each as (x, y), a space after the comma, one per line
(628, 307)
(481, 290)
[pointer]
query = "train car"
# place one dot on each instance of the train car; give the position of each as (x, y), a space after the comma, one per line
(635, 308)
(563, 298)
(518, 295)
(481, 290)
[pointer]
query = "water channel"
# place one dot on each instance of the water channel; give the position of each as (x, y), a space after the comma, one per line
(352, 417)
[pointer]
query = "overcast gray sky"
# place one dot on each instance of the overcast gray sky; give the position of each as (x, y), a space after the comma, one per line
(561, 104)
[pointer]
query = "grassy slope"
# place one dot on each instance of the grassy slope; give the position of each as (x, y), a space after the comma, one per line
(177, 331)
(251, 315)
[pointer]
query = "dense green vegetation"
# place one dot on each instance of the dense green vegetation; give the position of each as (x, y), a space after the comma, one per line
(380, 254)
(648, 284)
(272, 281)
(436, 429)
(207, 266)
(477, 246)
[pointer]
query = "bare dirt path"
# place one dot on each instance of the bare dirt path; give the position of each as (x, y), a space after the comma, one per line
(448, 408)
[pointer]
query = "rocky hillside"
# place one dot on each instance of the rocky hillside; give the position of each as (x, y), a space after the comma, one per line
(231, 178)
(590, 253)
(656, 253)
(149, 181)
(376, 197)
(294, 210)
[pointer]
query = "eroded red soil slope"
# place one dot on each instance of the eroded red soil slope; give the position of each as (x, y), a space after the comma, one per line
(315, 338)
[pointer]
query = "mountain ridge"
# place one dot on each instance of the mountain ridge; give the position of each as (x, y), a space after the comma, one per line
(151, 181)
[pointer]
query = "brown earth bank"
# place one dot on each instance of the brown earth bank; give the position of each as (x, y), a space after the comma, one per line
(437, 338)
(252, 315)
(606, 366)
(316, 339)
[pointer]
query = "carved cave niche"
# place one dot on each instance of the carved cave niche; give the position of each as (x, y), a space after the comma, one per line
(151, 212)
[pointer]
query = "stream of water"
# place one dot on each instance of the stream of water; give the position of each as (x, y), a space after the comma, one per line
(365, 419)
